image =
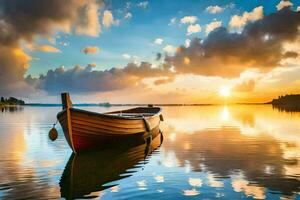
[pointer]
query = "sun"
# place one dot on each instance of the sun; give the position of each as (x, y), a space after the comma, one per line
(225, 92)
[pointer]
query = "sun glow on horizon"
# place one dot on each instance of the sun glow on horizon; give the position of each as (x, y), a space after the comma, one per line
(225, 91)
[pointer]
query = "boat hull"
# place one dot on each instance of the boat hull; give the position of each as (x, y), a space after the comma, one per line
(86, 130)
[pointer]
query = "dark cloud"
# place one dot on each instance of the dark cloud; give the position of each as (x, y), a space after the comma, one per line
(158, 56)
(25, 19)
(227, 54)
(290, 54)
(85, 79)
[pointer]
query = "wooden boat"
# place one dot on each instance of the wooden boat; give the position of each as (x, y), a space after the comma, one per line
(88, 173)
(90, 130)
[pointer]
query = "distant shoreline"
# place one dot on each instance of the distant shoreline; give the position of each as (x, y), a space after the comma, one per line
(8, 105)
(116, 105)
(290, 101)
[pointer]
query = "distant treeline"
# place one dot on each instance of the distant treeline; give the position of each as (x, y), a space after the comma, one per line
(11, 101)
(289, 102)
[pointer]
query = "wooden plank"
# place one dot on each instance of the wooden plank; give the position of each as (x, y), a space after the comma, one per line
(101, 122)
(100, 131)
(105, 127)
(105, 119)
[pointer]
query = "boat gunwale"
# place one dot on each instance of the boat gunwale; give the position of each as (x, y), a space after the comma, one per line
(106, 115)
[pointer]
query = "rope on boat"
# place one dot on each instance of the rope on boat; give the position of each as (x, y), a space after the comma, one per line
(55, 123)
(161, 137)
(161, 117)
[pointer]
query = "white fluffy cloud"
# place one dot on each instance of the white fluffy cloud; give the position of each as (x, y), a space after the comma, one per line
(108, 19)
(187, 43)
(170, 49)
(188, 20)
(126, 56)
(214, 9)
(193, 29)
(143, 4)
(212, 26)
(283, 4)
(158, 41)
(238, 22)
(128, 15)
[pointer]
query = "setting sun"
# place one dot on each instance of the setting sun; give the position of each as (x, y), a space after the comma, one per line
(225, 92)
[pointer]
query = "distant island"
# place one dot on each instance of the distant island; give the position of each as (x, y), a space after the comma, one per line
(289, 102)
(11, 101)
(105, 104)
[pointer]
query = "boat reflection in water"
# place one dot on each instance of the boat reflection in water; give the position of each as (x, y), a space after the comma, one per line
(89, 172)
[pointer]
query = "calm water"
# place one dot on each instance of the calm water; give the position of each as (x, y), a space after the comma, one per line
(208, 152)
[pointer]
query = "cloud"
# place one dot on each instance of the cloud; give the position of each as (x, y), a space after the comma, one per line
(164, 80)
(126, 56)
(158, 56)
(61, 79)
(290, 54)
(245, 86)
(87, 19)
(283, 3)
(90, 50)
(47, 48)
(128, 15)
(143, 4)
(188, 20)
(186, 60)
(23, 21)
(42, 48)
(193, 28)
(158, 41)
(238, 22)
(222, 53)
(187, 43)
(212, 26)
(227, 54)
(170, 49)
(214, 9)
(13, 65)
(92, 65)
(108, 19)
(172, 21)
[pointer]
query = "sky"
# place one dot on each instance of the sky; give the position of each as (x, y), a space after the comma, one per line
(155, 51)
